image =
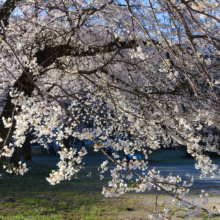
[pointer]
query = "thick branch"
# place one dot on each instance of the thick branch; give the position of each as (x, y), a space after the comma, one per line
(47, 56)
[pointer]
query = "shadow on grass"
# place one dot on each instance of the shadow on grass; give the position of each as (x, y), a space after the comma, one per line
(32, 197)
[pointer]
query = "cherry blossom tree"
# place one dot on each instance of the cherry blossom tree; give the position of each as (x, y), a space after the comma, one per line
(142, 71)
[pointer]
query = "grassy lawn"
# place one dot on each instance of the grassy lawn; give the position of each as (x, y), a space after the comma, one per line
(32, 197)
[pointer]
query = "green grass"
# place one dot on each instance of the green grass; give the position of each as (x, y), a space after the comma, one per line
(32, 197)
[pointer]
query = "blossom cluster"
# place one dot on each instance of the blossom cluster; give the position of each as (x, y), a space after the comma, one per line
(69, 165)
(21, 169)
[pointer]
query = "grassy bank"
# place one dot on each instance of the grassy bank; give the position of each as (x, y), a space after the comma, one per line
(32, 197)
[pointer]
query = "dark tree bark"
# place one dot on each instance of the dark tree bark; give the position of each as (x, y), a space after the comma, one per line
(27, 148)
(7, 9)
(16, 157)
(22, 84)
(5, 12)
(66, 142)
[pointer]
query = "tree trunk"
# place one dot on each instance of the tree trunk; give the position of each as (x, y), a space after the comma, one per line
(22, 84)
(27, 148)
(66, 142)
(2, 162)
(16, 157)
(5, 12)
(6, 133)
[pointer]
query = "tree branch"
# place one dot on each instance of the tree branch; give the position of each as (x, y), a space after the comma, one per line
(7, 9)
(47, 56)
